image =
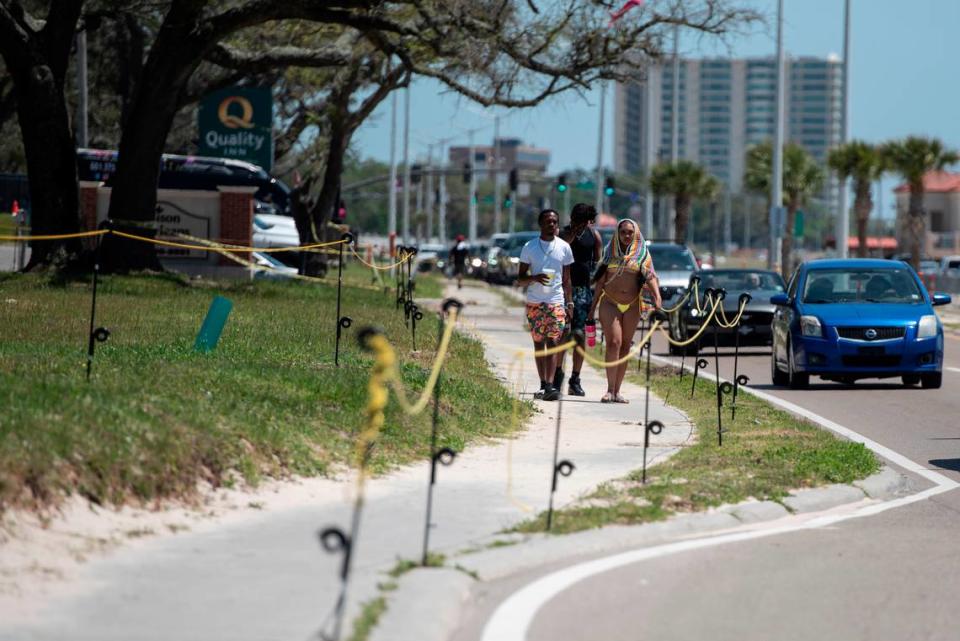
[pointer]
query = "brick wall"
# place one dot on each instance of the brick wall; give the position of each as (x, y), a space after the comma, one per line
(236, 219)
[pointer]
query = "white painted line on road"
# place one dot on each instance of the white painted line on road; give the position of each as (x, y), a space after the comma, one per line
(511, 620)
(953, 369)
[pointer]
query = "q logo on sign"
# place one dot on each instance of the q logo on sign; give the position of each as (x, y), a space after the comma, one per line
(236, 122)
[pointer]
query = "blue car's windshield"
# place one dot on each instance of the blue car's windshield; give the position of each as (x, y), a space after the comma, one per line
(861, 285)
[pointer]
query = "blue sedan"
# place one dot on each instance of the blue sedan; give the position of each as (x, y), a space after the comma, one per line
(844, 320)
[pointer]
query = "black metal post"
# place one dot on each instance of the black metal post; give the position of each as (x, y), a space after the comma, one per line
(444, 456)
(100, 334)
(343, 322)
(698, 365)
(720, 294)
(649, 427)
(745, 298)
(560, 468)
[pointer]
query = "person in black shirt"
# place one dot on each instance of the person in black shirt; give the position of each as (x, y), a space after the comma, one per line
(587, 246)
(458, 256)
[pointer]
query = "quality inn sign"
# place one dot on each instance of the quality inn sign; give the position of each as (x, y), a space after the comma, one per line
(238, 123)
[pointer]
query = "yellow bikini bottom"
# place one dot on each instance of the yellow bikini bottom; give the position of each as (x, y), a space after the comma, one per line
(623, 307)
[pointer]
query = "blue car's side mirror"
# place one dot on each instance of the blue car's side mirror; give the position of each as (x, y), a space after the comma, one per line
(780, 299)
(941, 299)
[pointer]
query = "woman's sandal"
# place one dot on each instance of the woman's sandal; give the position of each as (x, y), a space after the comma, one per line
(609, 397)
(620, 399)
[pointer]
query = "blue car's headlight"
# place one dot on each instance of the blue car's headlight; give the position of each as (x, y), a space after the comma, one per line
(927, 327)
(810, 326)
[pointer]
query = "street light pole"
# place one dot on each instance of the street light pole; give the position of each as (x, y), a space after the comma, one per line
(406, 166)
(430, 193)
(392, 191)
(674, 123)
(843, 212)
(496, 174)
(442, 222)
(648, 159)
(776, 183)
(598, 203)
(472, 219)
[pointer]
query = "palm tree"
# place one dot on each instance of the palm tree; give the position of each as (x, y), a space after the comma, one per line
(802, 177)
(864, 163)
(686, 181)
(912, 158)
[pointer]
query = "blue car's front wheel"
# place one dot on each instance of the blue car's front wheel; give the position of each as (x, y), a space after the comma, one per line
(931, 381)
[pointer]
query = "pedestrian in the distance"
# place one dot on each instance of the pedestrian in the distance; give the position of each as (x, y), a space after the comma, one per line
(458, 256)
(545, 272)
(627, 270)
(587, 247)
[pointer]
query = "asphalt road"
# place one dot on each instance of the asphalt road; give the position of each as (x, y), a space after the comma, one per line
(894, 575)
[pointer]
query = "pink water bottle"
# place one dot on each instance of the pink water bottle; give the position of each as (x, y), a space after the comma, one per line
(591, 327)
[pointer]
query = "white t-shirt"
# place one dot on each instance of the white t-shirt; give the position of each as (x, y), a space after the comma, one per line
(542, 255)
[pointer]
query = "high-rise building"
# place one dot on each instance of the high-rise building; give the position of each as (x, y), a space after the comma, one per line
(725, 106)
(513, 155)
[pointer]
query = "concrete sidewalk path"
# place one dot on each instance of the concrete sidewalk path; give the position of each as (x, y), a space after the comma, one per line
(267, 577)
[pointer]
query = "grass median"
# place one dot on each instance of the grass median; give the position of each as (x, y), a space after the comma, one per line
(765, 454)
(158, 418)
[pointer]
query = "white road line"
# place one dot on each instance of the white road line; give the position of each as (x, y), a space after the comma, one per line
(511, 620)
(953, 369)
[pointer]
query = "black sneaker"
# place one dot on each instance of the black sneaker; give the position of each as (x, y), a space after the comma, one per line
(574, 388)
(558, 377)
(551, 393)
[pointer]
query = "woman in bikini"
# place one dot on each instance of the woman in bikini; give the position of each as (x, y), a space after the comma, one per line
(625, 272)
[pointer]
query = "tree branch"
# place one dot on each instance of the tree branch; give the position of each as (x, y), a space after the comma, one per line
(231, 58)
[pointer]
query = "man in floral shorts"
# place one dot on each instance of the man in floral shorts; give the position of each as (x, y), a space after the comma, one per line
(545, 272)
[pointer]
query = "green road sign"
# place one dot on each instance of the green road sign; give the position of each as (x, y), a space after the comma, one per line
(798, 224)
(238, 123)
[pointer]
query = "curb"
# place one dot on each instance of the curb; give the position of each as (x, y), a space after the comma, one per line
(428, 603)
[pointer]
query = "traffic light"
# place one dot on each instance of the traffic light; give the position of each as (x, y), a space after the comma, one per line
(415, 172)
(507, 202)
(514, 179)
(466, 172)
(562, 183)
(609, 188)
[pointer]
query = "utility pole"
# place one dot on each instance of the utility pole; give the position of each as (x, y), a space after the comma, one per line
(843, 212)
(727, 229)
(674, 122)
(648, 156)
(83, 136)
(392, 190)
(419, 210)
(776, 183)
(430, 193)
(442, 222)
(406, 166)
(496, 174)
(472, 219)
(598, 203)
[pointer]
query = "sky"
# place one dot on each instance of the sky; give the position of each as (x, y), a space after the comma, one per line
(903, 81)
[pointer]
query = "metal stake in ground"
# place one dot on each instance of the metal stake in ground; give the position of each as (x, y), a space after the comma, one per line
(649, 427)
(413, 311)
(401, 292)
(334, 540)
(738, 380)
(560, 468)
(343, 322)
(444, 456)
(100, 334)
(698, 365)
(720, 295)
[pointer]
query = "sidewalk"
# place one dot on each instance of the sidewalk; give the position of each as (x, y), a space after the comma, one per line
(266, 577)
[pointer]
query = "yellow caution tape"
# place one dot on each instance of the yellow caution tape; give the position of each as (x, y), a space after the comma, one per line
(636, 349)
(82, 234)
(421, 403)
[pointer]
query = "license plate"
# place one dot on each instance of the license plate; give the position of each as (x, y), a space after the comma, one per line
(875, 350)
